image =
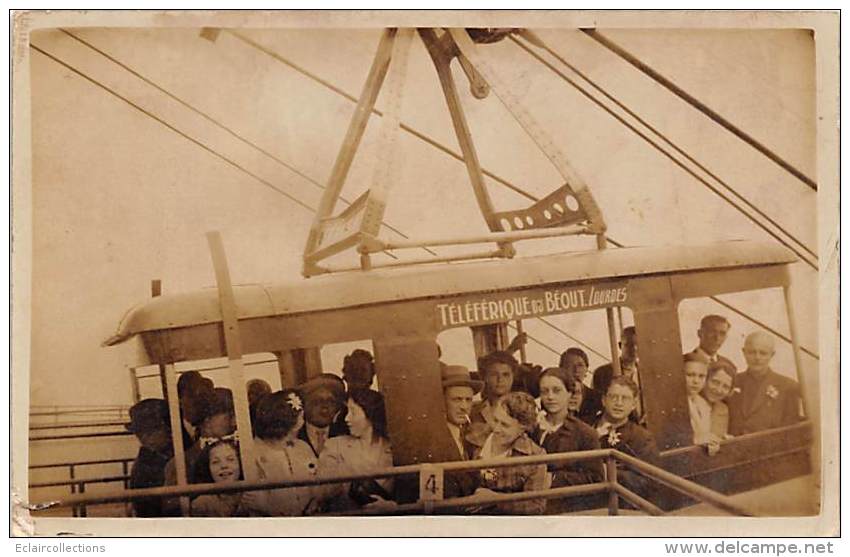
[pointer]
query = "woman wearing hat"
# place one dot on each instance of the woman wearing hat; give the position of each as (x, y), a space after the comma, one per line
(366, 449)
(514, 417)
(281, 456)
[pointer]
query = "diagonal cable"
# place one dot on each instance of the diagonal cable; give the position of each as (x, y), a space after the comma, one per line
(677, 162)
(699, 105)
(658, 133)
(218, 124)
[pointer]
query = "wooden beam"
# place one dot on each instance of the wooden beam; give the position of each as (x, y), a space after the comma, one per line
(356, 129)
(233, 343)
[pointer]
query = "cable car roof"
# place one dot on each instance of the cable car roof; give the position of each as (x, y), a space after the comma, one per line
(386, 285)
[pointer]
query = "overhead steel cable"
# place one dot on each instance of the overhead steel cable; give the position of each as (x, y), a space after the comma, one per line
(677, 162)
(221, 126)
(513, 187)
(655, 130)
(699, 105)
(178, 131)
(569, 336)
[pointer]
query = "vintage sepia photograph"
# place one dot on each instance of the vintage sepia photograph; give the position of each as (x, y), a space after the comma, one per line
(560, 266)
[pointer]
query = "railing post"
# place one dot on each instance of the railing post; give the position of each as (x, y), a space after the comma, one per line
(83, 509)
(430, 486)
(613, 497)
(71, 474)
(128, 508)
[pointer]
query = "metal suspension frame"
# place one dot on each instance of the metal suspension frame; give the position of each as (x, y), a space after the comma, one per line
(569, 210)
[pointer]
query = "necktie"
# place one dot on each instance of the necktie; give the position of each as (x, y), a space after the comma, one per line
(320, 441)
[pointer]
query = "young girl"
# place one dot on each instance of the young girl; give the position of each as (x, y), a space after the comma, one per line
(219, 463)
(720, 383)
(695, 371)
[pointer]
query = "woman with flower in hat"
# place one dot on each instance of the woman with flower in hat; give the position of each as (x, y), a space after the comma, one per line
(560, 432)
(281, 456)
(364, 450)
(514, 417)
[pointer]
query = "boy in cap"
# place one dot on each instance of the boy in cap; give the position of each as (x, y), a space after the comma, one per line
(149, 421)
(324, 401)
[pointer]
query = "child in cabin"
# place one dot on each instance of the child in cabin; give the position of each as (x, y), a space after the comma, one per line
(219, 463)
(695, 371)
(217, 421)
(617, 431)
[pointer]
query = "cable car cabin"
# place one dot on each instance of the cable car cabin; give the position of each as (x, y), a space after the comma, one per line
(403, 310)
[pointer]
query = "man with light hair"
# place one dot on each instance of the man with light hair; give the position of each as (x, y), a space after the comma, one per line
(712, 334)
(766, 399)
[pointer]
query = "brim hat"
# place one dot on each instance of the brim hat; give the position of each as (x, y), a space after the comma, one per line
(327, 381)
(148, 415)
(459, 376)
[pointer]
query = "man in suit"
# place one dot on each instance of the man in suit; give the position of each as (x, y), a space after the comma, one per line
(324, 405)
(766, 399)
(712, 333)
(458, 390)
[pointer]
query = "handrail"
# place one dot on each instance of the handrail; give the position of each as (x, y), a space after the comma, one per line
(82, 463)
(77, 425)
(687, 487)
(655, 473)
(78, 481)
(118, 433)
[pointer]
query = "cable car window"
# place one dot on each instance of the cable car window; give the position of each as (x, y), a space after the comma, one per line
(739, 375)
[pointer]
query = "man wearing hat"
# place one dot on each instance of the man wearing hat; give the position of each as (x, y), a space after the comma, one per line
(324, 402)
(458, 390)
(149, 421)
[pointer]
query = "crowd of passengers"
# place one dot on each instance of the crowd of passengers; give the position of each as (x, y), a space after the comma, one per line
(332, 426)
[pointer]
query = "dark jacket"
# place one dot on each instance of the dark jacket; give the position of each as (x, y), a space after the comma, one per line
(636, 441)
(573, 435)
(763, 403)
(148, 471)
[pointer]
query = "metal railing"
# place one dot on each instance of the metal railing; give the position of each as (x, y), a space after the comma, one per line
(78, 485)
(432, 474)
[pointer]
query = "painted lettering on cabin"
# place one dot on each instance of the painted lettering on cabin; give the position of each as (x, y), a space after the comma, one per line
(506, 307)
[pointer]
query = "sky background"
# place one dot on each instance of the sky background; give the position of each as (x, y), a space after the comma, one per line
(120, 198)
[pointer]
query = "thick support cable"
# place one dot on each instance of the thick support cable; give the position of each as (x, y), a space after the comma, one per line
(677, 162)
(654, 130)
(699, 105)
(310, 180)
